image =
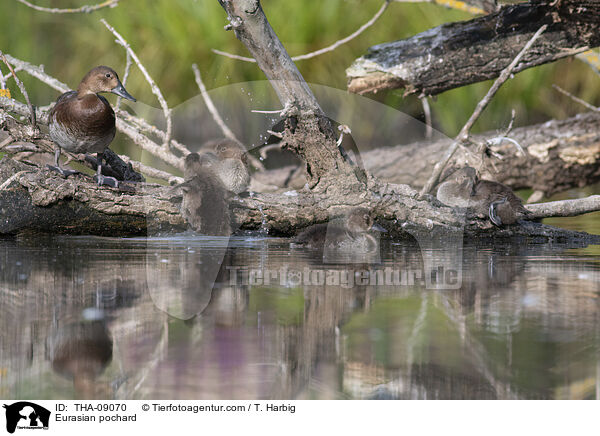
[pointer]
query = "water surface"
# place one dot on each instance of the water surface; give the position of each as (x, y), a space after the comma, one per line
(194, 317)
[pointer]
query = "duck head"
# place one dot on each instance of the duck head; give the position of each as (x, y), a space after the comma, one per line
(103, 79)
(464, 178)
(360, 220)
(230, 150)
(196, 163)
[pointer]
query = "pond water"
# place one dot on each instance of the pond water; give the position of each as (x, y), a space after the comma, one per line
(192, 317)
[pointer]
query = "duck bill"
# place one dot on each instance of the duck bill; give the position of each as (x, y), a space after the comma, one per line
(378, 228)
(122, 92)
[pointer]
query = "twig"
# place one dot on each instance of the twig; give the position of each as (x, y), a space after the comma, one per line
(319, 52)
(145, 126)
(233, 56)
(217, 117)
(428, 122)
(83, 9)
(38, 73)
(150, 171)
(153, 86)
(211, 107)
(576, 99)
(11, 179)
(32, 117)
(124, 81)
(6, 141)
(257, 111)
(463, 135)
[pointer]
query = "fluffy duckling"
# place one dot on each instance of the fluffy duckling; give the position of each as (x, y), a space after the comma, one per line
(231, 164)
(485, 197)
(352, 234)
(83, 121)
(205, 204)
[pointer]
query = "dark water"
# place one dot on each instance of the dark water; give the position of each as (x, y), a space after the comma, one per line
(207, 318)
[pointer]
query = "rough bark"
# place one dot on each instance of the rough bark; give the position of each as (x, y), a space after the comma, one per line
(39, 200)
(308, 132)
(561, 155)
(458, 54)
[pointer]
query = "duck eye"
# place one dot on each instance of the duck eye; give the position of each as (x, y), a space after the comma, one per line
(108, 75)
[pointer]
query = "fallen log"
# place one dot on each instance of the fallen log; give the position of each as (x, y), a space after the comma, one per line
(560, 155)
(34, 200)
(458, 54)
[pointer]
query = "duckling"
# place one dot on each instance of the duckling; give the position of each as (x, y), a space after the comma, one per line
(351, 235)
(484, 197)
(83, 121)
(205, 204)
(231, 164)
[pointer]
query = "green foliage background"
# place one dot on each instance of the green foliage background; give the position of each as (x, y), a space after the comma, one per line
(170, 35)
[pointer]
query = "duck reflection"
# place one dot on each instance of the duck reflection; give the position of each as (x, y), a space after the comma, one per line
(80, 351)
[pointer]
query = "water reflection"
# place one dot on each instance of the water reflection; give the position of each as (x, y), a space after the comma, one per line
(208, 318)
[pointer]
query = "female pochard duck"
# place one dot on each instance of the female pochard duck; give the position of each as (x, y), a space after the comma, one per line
(463, 189)
(83, 121)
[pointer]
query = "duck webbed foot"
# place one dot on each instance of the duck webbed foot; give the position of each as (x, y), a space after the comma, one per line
(102, 179)
(56, 167)
(106, 180)
(62, 171)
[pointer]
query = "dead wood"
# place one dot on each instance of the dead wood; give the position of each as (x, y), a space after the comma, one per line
(458, 54)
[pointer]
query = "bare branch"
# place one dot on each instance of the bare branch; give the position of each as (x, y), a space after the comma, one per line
(349, 38)
(428, 121)
(564, 208)
(32, 117)
(233, 56)
(83, 9)
(39, 73)
(150, 171)
(464, 133)
(155, 89)
(576, 99)
(124, 81)
(219, 120)
(324, 50)
(211, 107)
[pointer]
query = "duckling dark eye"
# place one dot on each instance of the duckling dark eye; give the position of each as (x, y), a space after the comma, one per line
(108, 75)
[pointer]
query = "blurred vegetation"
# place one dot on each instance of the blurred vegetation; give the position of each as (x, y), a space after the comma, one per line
(170, 35)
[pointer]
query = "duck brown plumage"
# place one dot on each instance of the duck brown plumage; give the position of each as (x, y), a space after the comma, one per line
(83, 121)
(462, 188)
(205, 204)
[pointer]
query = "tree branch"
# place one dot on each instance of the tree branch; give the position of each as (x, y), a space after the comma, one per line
(308, 132)
(82, 9)
(564, 208)
(324, 50)
(458, 54)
